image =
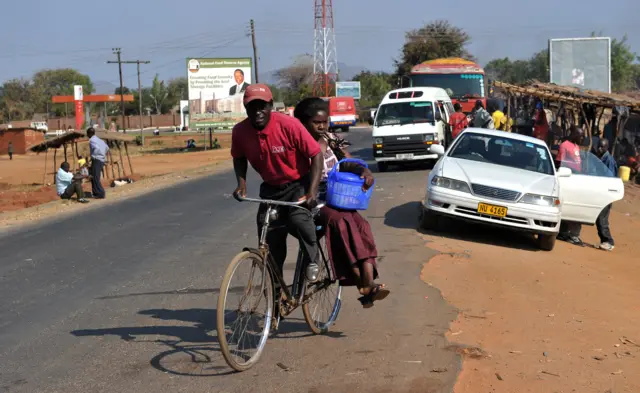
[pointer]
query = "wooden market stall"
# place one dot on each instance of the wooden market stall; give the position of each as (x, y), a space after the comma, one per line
(572, 104)
(69, 143)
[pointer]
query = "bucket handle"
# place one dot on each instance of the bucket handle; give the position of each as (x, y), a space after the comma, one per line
(336, 167)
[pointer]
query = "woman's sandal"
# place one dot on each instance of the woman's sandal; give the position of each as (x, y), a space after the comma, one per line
(377, 292)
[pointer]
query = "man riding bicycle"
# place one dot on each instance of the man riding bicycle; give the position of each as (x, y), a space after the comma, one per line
(288, 160)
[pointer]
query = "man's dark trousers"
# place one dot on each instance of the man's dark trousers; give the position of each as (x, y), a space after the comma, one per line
(96, 173)
(291, 220)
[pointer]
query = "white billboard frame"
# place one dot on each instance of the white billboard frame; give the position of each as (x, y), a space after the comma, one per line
(608, 39)
(345, 84)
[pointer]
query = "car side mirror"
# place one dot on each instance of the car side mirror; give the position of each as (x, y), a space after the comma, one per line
(437, 149)
(371, 121)
(564, 172)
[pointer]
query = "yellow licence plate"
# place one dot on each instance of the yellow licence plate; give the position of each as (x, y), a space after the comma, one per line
(492, 210)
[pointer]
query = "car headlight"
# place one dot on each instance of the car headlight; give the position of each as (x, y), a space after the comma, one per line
(540, 200)
(427, 137)
(451, 184)
(378, 141)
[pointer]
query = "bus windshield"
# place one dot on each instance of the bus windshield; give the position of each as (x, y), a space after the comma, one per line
(407, 112)
(456, 85)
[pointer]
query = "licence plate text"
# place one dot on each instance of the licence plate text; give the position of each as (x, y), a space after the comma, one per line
(492, 210)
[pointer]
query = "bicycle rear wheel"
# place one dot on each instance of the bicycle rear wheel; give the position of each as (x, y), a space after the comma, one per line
(233, 319)
(323, 307)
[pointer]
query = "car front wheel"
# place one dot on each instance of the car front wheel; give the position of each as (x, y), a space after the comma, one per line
(546, 242)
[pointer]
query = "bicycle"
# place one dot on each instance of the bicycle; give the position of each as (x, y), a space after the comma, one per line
(279, 297)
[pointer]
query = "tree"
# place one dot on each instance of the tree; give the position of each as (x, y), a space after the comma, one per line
(159, 94)
(51, 82)
(623, 69)
(520, 71)
(373, 87)
(295, 81)
(178, 90)
(435, 40)
(17, 101)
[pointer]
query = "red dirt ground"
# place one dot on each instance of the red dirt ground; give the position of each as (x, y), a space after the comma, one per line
(21, 179)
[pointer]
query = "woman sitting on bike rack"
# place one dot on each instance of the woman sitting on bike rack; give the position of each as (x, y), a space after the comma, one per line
(350, 241)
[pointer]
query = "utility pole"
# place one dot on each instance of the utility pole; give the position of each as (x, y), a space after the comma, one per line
(255, 50)
(117, 51)
(120, 63)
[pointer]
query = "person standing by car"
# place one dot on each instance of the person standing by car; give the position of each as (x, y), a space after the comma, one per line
(98, 151)
(290, 163)
(458, 121)
(569, 156)
(482, 118)
(602, 223)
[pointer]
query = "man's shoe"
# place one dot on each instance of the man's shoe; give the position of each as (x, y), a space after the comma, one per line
(606, 246)
(82, 200)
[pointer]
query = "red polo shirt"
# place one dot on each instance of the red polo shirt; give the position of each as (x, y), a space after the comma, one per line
(281, 153)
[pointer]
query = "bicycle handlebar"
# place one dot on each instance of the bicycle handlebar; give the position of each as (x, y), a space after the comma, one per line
(275, 203)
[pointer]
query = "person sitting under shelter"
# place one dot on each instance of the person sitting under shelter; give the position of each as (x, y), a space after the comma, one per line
(68, 184)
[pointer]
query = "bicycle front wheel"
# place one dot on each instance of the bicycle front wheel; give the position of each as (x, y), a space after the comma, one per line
(321, 311)
(243, 325)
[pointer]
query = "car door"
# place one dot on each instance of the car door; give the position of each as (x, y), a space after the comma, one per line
(583, 195)
(441, 125)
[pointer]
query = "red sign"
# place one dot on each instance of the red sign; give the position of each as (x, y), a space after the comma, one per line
(79, 115)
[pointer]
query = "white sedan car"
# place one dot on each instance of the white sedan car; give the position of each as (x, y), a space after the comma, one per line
(510, 180)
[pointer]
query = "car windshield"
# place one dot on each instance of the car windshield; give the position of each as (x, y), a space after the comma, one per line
(456, 85)
(504, 151)
(405, 113)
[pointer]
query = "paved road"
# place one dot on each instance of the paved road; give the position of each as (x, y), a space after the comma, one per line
(122, 299)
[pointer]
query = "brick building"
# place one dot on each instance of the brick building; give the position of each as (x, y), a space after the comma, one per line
(22, 138)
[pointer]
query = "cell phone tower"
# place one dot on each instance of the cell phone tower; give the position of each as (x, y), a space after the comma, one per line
(325, 53)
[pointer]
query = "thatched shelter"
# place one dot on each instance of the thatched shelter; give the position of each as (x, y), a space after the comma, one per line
(574, 101)
(71, 139)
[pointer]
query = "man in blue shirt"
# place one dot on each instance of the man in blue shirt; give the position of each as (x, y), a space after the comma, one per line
(99, 150)
(602, 222)
(67, 184)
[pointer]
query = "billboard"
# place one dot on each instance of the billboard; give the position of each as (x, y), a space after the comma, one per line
(348, 89)
(581, 62)
(216, 88)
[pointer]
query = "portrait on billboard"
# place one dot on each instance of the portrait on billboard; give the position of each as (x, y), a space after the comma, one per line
(241, 85)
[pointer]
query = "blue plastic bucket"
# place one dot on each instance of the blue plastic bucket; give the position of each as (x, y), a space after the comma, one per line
(344, 189)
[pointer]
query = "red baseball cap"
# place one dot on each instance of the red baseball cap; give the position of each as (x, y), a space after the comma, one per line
(257, 92)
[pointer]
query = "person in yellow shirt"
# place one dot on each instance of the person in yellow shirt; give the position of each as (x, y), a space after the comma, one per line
(500, 120)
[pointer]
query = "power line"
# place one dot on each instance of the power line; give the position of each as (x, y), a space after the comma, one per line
(120, 62)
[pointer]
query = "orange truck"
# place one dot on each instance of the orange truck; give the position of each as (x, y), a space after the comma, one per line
(463, 80)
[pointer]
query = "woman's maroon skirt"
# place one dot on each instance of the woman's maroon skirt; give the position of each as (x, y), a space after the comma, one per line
(349, 242)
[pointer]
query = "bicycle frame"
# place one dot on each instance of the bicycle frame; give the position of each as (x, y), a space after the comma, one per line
(296, 296)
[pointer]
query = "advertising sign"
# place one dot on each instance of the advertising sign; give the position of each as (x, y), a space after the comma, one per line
(348, 89)
(581, 62)
(78, 96)
(216, 89)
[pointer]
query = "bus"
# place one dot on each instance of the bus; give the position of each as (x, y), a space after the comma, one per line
(463, 80)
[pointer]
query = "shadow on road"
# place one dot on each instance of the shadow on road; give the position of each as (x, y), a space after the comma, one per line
(403, 216)
(186, 291)
(188, 350)
(407, 216)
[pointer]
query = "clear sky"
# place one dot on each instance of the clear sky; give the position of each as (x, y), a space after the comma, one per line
(37, 34)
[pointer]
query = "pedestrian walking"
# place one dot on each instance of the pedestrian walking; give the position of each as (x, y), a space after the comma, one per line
(98, 151)
(602, 222)
(10, 150)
